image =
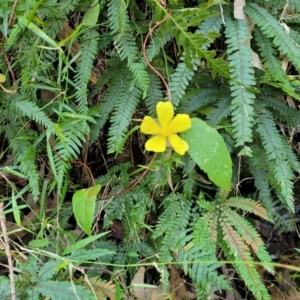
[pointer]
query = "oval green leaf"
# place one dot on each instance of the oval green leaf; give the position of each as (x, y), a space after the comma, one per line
(38, 243)
(90, 18)
(84, 203)
(2, 78)
(207, 148)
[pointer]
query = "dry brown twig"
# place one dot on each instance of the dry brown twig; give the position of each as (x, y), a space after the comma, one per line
(7, 252)
(146, 58)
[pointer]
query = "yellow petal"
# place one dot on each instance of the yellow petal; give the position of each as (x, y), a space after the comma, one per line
(150, 126)
(165, 112)
(178, 144)
(180, 123)
(156, 144)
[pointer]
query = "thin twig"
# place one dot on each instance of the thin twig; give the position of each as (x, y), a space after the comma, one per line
(7, 252)
(146, 58)
(135, 183)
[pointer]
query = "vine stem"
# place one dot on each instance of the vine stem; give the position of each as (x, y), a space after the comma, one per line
(146, 58)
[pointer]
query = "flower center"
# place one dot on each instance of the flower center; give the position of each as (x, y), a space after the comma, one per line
(165, 131)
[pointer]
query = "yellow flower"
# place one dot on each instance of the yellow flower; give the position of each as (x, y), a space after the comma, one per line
(165, 128)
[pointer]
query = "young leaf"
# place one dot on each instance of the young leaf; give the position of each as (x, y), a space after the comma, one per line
(90, 18)
(84, 202)
(207, 148)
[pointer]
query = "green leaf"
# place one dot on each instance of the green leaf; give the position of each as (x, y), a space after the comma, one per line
(38, 243)
(2, 78)
(90, 18)
(84, 203)
(40, 33)
(82, 243)
(207, 148)
(16, 211)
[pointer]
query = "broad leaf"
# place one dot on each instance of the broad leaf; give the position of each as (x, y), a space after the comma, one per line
(84, 202)
(207, 148)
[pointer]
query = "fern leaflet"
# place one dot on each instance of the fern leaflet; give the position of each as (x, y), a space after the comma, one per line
(125, 42)
(267, 52)
(154, 94)
(107, 105)
(272, 29)
(180, 80)
(24, 154)
(88, 49)
(242, 73)
(273, 146)
(127, 102)
(31, 110)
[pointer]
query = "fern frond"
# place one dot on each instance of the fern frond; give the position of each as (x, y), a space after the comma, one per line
(204, 276)
(293, 5)
(290, 155)
(274, 30)
(180, 80)
(31, 110)
(170, 239)
(125, 42)
(180, 21)
(194, 251)
(285, 86)
(281, 110)
(154, 94)
(88, 49)
(24, 154)
(203, 233)
(115, 67)
(276, 73)
(279, 4)
(250, 236)
(245, 230)
(278, 164)
(205, 96)
(158, 41)
(248, 205)
(261, 183)
(213, 23)
(102, 288)
(189, 177)
(189, 184)
(235, 249)
(252, 279)
(206, 205)
(267, 52)
(48, 269)
(127, 102)
(107, 105)
(62, 290)
(240, 54)
(234, 241)
(84, 255)
(70, 136)
(175, 218)
(221, 111)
